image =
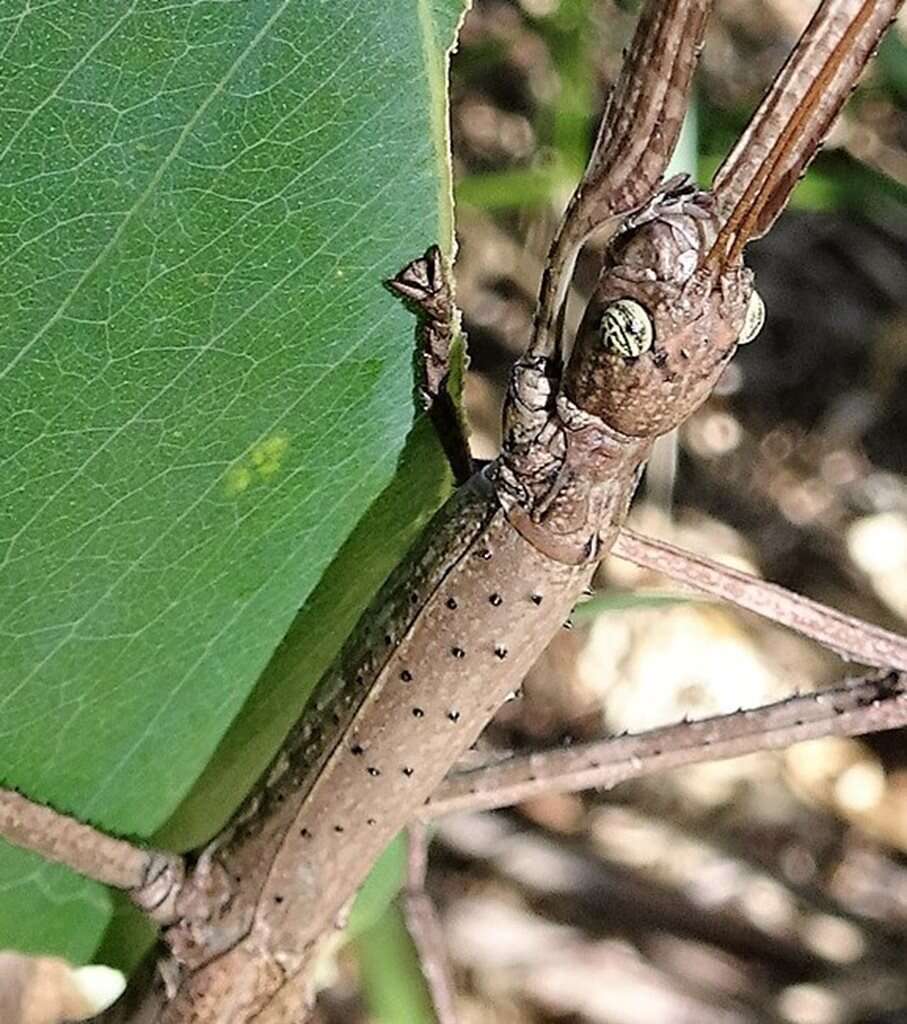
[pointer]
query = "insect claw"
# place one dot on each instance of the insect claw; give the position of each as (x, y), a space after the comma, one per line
(421, 278)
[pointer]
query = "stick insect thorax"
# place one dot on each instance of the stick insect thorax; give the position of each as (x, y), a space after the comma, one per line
(656, 335)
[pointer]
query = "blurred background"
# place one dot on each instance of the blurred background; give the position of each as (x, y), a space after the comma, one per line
(771, 888)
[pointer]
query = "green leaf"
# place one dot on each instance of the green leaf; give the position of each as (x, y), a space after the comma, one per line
(44, 907)
(607, 602)
(392, 980)
(203, 385)
(379, 889)
(345, 589)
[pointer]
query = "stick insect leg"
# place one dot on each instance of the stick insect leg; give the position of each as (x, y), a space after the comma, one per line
(424, 927)
(424, 286)
(851, 638)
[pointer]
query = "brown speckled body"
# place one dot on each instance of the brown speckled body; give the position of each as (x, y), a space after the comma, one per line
(412, 690)
(456, 627)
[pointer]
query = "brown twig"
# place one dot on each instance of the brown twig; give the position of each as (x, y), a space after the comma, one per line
(851, 638)
(425, 928)
(152, 878)
(859, 706)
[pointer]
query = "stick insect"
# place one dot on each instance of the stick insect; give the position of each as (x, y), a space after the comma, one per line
(457, 626)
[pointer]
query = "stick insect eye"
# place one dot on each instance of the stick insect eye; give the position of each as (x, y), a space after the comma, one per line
(626, 328)
(753, 319)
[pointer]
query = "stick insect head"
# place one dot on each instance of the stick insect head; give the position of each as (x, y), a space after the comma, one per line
(661, 327)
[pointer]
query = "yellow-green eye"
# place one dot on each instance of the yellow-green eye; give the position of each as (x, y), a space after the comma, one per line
(753, 319)
(626, 328)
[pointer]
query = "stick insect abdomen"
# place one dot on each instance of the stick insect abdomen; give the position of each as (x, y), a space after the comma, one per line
(473, 640)
(479, 606)
(458, 625)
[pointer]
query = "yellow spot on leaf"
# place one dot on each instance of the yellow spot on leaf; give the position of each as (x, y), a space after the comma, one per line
(266, 455)
(261, 463)
(238, 479)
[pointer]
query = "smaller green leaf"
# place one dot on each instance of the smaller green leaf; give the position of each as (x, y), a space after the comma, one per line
(383, 883)
(614, 601)
(392, 980)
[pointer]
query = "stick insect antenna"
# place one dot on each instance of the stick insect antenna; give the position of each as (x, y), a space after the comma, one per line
(636, 138)
(755, 181)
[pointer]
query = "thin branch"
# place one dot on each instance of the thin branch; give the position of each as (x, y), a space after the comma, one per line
(425, 928)
(851, 638)
(859, 706)
(152, 878)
